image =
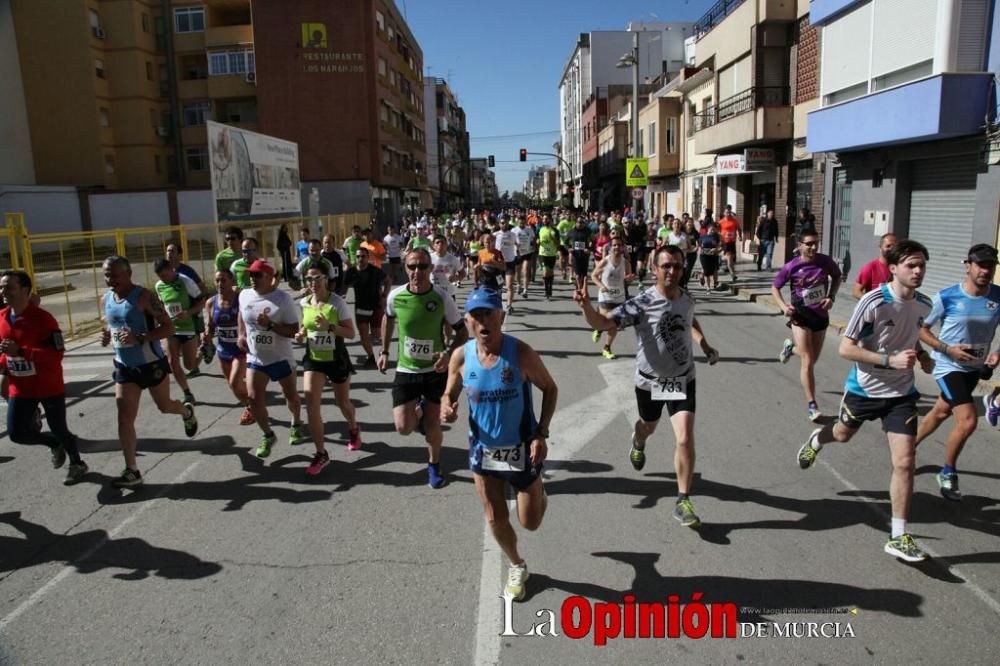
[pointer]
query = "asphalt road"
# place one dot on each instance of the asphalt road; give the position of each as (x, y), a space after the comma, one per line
(222, 558)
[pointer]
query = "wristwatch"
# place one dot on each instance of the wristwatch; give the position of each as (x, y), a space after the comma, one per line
(542, 431)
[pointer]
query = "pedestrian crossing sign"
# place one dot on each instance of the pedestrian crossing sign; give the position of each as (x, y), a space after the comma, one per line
(637, 172)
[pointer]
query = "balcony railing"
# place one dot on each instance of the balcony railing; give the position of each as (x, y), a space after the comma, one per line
(740, 103)
(715, 16)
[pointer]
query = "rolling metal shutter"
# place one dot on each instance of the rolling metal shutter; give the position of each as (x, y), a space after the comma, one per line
(942, 207)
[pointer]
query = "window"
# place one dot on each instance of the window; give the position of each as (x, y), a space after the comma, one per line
(149, 71)
(696, 197)
(652, 138)
(381, 66)
(383, 113)
(196, 113)
(671, 135)
(386, 156)
(379, 20)
(109, 164)
(196, 158)
(221, 63)
(238, 111)
(145, 25)
(105, 117)
(95, 20)
(189, 19)
(194, 67)
(391, 33)
(99, 68)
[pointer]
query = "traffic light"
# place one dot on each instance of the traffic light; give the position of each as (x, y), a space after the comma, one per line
(524, 154)
(491, 161)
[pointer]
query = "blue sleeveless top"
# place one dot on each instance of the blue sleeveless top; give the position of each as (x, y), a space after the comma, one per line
(226, 330)
(126, 315)
(500, 410)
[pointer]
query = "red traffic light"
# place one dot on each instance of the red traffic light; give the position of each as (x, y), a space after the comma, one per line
(524, 154)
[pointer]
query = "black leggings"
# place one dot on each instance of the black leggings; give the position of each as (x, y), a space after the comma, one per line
(21, 427)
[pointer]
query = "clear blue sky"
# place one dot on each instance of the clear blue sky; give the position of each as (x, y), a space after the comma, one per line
(503, 59)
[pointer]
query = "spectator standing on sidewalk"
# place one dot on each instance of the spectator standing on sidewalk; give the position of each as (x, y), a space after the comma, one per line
(875, 272)
(767, 235)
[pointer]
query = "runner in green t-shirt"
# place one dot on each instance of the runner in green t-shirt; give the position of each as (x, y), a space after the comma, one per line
(182, 300)
(233, 237)
(352, 244)
(548, 250)
(241, 266)
(564, 226)
(325, 317)
(422, 311)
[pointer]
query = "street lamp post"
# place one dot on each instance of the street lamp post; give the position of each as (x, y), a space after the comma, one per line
(632, 60)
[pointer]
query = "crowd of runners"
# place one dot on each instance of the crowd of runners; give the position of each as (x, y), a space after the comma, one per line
(398, 292)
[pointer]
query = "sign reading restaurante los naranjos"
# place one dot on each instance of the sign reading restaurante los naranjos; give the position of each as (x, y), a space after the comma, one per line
(322, 61)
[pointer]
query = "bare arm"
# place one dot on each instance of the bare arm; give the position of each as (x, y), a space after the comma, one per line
(596, 275)
(150, 304)
(453, 389)
(698, 336)
(851, 350)
(535, 372)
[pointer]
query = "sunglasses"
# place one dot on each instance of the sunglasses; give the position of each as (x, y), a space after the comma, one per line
(811, 243)
(247, 251)
(417, 267)
(314, 278)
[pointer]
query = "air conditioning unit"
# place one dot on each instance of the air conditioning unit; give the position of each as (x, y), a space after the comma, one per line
(99, 32)
(162, 131)
(251, 78)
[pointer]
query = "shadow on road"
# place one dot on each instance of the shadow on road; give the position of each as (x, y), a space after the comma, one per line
(751, 596)
(95, 550)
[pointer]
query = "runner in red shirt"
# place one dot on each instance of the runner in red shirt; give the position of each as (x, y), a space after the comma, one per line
(31, 352)
(729, 229)
(875, 272)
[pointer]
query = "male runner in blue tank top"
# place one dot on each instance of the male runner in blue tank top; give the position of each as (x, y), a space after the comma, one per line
(506, 444)
(135, 321)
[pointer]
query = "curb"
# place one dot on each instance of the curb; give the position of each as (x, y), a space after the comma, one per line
(836, 329)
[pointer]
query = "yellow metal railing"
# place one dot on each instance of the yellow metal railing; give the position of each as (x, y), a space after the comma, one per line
(66, 267)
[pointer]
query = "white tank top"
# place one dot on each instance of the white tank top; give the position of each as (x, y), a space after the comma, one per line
(613, 278)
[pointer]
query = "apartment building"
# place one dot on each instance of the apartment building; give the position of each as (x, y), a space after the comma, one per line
(447, 146)
(594, 63)
(908, 116)
(763, 58)
(117, 92)
(659, 142)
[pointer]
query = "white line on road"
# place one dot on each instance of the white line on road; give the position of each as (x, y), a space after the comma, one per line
(977, 591)
(70, 568)
(573, 428)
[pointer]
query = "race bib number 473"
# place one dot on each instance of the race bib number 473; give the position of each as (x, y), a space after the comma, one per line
(506, 459)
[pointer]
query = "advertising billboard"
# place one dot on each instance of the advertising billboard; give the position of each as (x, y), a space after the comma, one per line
(252, 174)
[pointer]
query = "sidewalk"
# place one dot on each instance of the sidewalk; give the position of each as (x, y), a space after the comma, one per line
(755, 286)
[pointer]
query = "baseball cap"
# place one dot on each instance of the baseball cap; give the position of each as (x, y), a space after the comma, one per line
(261, 266)
(982, 254)
(481, 298)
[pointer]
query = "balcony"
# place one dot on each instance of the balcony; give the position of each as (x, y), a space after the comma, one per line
(756, 115)
(229, 35)
(922, 110)
(232, 85)
(714, 16)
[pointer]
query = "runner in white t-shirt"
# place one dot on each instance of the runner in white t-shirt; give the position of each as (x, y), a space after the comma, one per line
(525, 238)
(506, 242)
(394, 250)
(447, 269)
(268, 320)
